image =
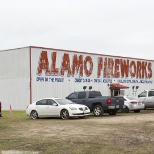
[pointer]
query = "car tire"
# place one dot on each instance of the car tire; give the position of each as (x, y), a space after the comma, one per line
(34, 114)
(98, 111)
(64, 114)
(125, 110)
(112, 112)
(136, 111)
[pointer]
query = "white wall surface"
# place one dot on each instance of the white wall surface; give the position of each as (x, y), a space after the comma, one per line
(14, 79)
(44, 88)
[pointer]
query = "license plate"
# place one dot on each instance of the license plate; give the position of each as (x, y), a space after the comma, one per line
(111, 107)
(139, 103)
(117, 106)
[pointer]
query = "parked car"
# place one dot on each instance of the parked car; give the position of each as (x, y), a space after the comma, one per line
(0, 109)
(56, 107)
(132, 104)
(97, 103)
(147, 96)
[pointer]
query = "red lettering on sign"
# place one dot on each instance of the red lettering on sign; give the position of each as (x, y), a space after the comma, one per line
(65, 65)
(124, 67)
(100, 66)
(110, 67)
(105, 67)
(54, 70)
(144, 71)
(132, 69)
(150, 70)
(121, 67)
(77, 64)
(88, 59)
(116, 71)
(43, 63)
(138, 69)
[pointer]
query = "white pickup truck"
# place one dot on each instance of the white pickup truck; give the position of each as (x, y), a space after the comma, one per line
(147, 96)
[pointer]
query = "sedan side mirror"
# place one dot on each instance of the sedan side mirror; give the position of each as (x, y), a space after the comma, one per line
(55, 104)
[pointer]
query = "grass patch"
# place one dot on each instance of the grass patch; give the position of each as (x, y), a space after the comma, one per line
(75, 136)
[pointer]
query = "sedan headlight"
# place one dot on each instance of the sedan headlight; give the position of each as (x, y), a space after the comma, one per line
(73, 108)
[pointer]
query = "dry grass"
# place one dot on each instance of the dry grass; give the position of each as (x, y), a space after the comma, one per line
(124, 133)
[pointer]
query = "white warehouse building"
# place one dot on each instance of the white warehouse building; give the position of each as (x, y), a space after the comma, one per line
(31, 73)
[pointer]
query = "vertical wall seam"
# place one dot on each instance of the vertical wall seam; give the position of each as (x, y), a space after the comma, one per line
(30, 65)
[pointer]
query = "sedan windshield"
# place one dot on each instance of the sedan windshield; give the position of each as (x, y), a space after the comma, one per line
(64, 101)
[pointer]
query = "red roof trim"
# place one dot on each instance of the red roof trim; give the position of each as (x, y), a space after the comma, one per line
(89, 53)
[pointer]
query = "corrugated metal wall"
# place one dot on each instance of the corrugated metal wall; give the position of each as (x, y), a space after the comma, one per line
(14, 78)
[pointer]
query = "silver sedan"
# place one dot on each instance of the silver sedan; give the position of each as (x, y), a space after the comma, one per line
(132, 104)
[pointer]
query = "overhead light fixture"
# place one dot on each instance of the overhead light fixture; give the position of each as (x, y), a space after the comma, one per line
(90, 87)
(84, 87)
(137, 87)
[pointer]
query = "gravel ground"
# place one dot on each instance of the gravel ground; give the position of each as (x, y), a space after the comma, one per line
(130, 132)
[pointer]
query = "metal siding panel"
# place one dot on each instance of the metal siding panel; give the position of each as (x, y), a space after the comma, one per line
(14, 78)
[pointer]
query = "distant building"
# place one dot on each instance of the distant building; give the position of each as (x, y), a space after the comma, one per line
(31, 73)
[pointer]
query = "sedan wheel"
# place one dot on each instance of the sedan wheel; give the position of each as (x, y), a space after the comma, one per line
(98, 111)
(34, 115)
(126, 110)
(64, 114)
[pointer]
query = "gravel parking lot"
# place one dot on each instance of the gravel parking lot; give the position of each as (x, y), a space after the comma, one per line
(123, 133)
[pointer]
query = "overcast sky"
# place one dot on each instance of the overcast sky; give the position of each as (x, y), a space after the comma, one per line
(113, 27)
